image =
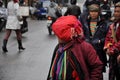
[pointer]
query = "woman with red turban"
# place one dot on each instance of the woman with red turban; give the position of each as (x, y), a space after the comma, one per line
(73, 58)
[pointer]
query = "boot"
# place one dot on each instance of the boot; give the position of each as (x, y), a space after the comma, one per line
(4, 48)
(20, 47)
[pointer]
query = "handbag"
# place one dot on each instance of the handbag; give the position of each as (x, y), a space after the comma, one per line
(58, 14)
(24, 27)
(19, 18)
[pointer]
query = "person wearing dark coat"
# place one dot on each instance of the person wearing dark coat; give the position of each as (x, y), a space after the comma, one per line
(95, 31)
(73, 57)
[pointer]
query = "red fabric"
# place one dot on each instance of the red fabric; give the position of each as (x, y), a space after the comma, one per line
(110, 42)
(63, 25)
(88, 59)
(15, 1)
(74, 74)
(118, 33)
(85, 52)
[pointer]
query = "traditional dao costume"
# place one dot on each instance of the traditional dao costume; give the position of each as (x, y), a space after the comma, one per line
(73, 58)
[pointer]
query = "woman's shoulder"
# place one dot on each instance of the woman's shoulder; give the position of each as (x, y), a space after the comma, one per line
(85, 46)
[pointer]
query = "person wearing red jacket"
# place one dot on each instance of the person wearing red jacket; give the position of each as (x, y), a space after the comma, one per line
(112, 45)
(73, 57)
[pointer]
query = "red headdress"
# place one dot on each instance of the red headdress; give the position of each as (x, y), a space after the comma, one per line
(67, 27)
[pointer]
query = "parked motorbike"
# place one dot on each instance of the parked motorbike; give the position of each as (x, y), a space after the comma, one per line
(41, 13)
(3, 17)
(2, 23)
(49, 23)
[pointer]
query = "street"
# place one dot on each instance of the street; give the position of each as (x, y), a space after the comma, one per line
(32, 63)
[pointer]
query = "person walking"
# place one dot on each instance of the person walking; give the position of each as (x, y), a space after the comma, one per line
(52, 9)
(73, 57)
(112, 45)
(12, 24)
(95, 30)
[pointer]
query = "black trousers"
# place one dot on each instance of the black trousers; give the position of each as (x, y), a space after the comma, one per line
(114, 73)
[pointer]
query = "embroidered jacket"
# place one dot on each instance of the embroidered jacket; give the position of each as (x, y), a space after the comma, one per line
(112, 40)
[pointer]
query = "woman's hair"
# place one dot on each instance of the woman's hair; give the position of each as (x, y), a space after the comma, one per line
(94, 7)
(74, 10)
(117, 4)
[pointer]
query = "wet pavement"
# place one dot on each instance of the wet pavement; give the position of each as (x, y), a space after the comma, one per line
(32, 63)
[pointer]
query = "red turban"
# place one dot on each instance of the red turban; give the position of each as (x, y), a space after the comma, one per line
(66, 27)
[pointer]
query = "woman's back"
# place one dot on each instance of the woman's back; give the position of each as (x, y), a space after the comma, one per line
(12, 8)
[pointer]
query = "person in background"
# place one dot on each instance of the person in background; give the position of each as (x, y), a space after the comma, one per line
(33, 9)
(85, 10)
(24, 25)
(73, 57)
(12, 24)
(86, 4)
(72, 2)
(115, 1)
(95, 30)
(106, 10)
(3, 15)
(52, 9)
(112, 45)
(59, 12)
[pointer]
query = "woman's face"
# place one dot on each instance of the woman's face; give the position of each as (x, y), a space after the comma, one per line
(117, 13)
(94, 14)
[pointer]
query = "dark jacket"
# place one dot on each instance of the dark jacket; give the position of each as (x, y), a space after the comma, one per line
(87, 58)
(99, 35)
